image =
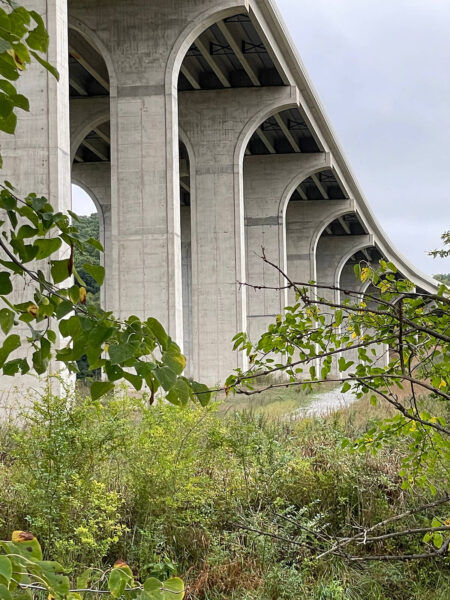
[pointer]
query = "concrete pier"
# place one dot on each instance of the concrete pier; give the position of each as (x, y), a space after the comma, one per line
(194, 128)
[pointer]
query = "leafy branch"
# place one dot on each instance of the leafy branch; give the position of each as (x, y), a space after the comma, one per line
(22, 568)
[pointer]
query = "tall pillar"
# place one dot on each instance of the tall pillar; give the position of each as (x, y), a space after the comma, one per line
(145, 207)
(266, 179)
(330, 253)
(37, 158)
(186, 262)
(213, 121)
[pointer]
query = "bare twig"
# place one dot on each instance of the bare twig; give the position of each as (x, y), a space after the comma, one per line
(363, 534)
(388, 557)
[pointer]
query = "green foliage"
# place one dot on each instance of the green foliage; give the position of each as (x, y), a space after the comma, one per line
(88, 226)
(185, 491)
(22, 568)
(408, 328)
(138, 351)
(23, 37)
(445, 251)
(443, 278)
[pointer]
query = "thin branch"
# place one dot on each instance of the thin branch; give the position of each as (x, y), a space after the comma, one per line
(277, 537)
(387, 557)
(387, 536)
(403, 410)
(393, 519)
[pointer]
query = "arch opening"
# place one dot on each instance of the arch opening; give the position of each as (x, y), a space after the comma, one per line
(186, 251)
(90, 131)
(88, 73)
(305, 208)
(229, 53)
(90, 224)
(322, 185)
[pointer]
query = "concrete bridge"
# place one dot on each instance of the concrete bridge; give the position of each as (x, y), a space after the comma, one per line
(195, 129)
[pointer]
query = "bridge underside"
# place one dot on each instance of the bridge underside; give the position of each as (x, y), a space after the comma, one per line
(194, 129)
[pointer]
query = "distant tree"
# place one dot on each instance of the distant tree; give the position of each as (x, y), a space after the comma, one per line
(445, 251)
(88, 226)
(443, 278)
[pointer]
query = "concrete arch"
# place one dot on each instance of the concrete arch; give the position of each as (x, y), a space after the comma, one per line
(95, 41)
(297, 180)
(356, 248)
(190, 34)
(81, 126)
(255, 122)
(365, 287)
(92, 121)
(189, 147)
(188, 266)
(192, 174)
(339, 212)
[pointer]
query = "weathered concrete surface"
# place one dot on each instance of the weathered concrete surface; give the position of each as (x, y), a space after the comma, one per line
(214, 122)
(268, 184)
(237, 205)
(37, 158)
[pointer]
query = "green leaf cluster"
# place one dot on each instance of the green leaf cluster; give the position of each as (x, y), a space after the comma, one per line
(23, 570)
(37, 240)
(390, 343)
(23, 37)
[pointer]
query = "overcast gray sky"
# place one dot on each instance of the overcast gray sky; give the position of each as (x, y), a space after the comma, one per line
(382, 71)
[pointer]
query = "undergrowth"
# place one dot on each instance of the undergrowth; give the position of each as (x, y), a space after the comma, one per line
(186, 491)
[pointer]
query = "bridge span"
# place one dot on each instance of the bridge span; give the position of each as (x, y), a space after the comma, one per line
(195, 129)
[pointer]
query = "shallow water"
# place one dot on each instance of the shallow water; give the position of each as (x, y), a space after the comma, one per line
(325, 403)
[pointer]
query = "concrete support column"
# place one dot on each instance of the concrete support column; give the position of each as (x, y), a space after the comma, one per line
(186, 263)
(145, 208)
(95, 179)
(86, 114)
(268, 183)
(214, 122)
(331, 255)
(37, 158)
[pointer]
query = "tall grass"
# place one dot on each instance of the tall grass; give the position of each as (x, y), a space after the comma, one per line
(181, 490)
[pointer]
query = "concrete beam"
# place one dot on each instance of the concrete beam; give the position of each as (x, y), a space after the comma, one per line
(101, 134)
(344, 225)
(287, 133)
(88, 58)
(320, 187)
(212, 63)
(99, 153)
(190, 77)
(237, 51)
(262, 136)
(77, 86)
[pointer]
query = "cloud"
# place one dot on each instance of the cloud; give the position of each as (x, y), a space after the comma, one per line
(380, 68)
